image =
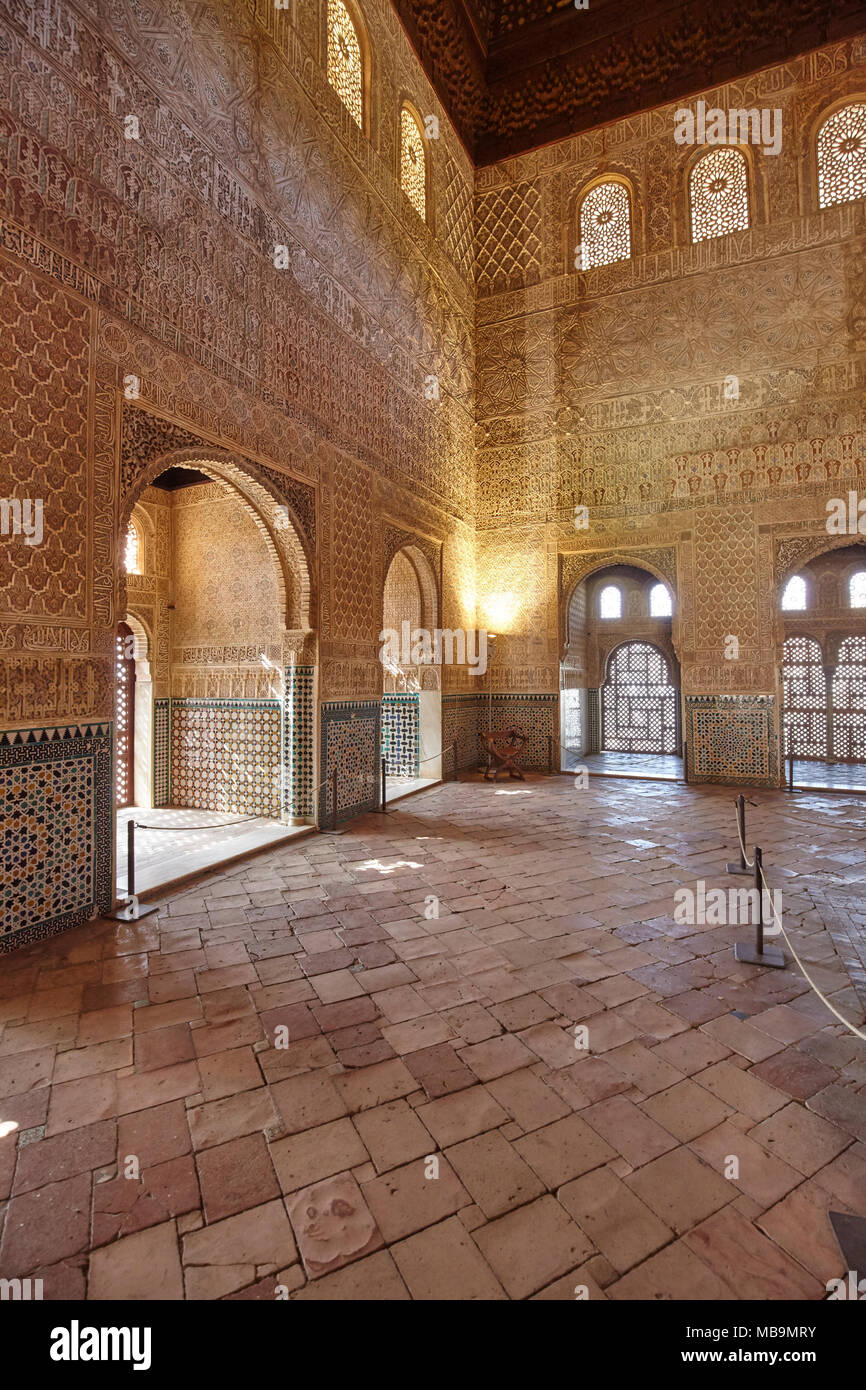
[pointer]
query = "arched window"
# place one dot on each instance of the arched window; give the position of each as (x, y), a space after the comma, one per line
(857, 589)
(719, 194)
(413, 162)
(345, 61)
(610, 602)
(794, 596)
(660, 601)
(605, 225)
(842, 156)
(132, 550)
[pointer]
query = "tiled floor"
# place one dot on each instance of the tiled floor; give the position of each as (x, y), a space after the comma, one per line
(298, 1078)
(665, 767)
(849, 776)
(174, 849)
(397, 787)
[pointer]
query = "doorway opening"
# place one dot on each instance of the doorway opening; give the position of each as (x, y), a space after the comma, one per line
(207, 701)
(824, 671)
(619, 679)
(411, 686)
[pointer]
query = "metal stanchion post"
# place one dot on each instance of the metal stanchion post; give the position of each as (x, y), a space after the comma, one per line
(133, 911)
(454, 751)
(685, 762)
(550, 754)
(741, 867)
(759, 954)
(384, 807)
(790, 769)
(334, 799)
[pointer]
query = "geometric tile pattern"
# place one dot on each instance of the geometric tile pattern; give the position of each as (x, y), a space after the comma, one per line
(536, 715)
(461, 720)
(225, 756)
(298, 733)
(400, 734)
(55, 806)
(730, 738)
(161, 752)
(349, 747)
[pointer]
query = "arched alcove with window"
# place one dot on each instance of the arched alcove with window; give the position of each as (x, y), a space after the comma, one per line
(620, 683)
(411, 675)
(718, 194)
(217, 599)
(823, 616)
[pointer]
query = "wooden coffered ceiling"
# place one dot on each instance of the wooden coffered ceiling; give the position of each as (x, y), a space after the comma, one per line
(513, 74)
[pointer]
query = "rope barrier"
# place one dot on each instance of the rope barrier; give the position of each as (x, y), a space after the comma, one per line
(807, 977)
(750, 863)
(217, 825)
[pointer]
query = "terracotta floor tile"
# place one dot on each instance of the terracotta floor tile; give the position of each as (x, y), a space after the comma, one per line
(494, 1173)
(373, 1279)
(563, 1150)
(528, 1099)
(155, 1135)
(674, 1273)
(77, 1103)
(235, 1176)
(530, 1247)
(248, 1112)
(140, 1092)
(750, 1264)
(141, 1266)
(621, 1226)
(443, 1263)
(497, 1057)
(307, 1101)
(225, 1073)
(628, 1130)
(766, 1179)
(260, 1236)
(313, 1154)
(461, 1115)
(743, 1089)
(680, 1189)
(686, 1110)
(45, 1226)
(405, 1200)
(393, 1134)
(65, 1156)
(333, 1224)
(800, 1138)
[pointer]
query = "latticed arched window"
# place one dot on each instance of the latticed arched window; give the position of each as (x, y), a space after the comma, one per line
(345, 61)
(660, 601)
(794, 596)
(804, 696)
(132, 550)
(413, 162)
(605, 226)
(719, 194)
(842, 156)
(857, 589)
(610, 602)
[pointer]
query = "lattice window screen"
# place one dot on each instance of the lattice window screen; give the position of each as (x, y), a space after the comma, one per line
(605, 225)
(804, 693)
(413, 163)
(639, 702)
(842, 156)
(719, 194)
(849, 701)
(345, 64)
